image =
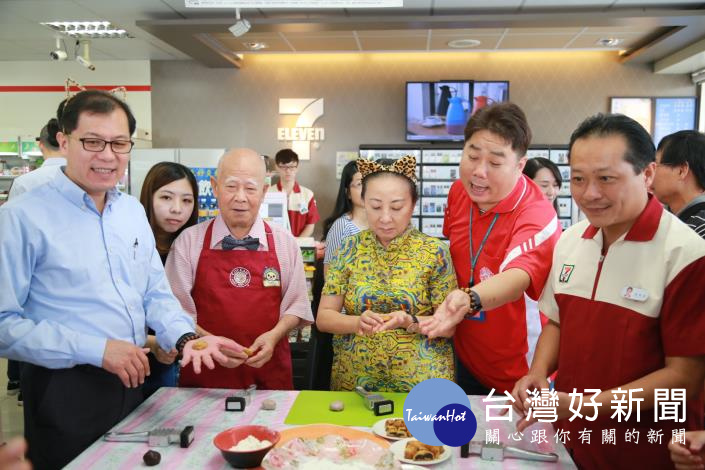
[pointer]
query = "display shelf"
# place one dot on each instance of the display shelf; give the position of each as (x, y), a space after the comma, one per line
(437, 169)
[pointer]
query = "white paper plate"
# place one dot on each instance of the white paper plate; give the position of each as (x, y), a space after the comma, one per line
(378, 428)
(398, 450)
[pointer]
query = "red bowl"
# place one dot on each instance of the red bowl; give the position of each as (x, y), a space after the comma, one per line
(249, 458)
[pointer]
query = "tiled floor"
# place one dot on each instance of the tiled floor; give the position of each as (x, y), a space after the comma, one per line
(11, 420)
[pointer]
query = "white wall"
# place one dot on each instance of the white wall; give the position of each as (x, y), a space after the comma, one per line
(24, 113)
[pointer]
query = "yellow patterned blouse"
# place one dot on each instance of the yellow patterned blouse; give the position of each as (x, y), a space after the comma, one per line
(413, 273)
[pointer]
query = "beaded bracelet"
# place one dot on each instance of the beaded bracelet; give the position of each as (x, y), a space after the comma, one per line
(185, 338)
(475, 302)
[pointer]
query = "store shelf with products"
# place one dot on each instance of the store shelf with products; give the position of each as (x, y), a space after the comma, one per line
(18, 156)
(437, 169)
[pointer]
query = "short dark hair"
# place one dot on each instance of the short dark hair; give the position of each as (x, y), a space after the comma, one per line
(47, 136)
(685, 147)
(507, 120)
(285, 156)
(640, 148)
(413, 189)
(92, 102)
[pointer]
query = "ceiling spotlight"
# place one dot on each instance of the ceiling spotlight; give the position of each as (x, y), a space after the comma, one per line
(609, 42)
(463, 43)
(240, 27)
(256, 46)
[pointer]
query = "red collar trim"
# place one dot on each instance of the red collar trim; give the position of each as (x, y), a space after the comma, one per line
(297, 188)
(512, 200)
(645, 227)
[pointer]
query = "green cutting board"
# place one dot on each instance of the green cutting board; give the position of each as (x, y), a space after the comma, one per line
(311, 407)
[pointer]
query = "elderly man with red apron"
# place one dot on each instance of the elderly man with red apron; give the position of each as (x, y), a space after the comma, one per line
(243, 279)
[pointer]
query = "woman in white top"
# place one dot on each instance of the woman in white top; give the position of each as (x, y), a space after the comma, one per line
(348, 217)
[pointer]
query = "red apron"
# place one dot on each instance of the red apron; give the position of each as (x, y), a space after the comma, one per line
(232, 301)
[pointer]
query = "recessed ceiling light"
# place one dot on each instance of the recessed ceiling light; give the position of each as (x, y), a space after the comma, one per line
(256, 46)
(609, 42)
(463, 43)
(87, 29)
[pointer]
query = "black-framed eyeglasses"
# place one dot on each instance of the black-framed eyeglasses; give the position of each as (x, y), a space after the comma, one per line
(93, 144)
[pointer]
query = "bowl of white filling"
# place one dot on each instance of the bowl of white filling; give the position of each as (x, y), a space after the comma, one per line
(246, 446)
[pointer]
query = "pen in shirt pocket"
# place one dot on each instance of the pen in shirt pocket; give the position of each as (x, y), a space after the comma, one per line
(134, 249)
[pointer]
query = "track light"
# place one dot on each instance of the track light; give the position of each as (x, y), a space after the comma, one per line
(85, 58)
(59, 53)
(240, 27)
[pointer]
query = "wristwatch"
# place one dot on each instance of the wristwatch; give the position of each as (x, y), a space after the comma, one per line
(185, 338)
(475, 302)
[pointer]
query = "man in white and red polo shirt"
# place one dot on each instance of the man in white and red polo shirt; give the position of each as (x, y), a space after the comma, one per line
(514, 229)
(625, 303)
(303, 212)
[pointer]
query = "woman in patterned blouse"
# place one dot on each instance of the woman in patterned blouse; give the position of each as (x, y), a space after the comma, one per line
(387, 279)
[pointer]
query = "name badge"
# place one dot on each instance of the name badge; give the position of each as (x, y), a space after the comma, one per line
(635, 293)
(271, 278)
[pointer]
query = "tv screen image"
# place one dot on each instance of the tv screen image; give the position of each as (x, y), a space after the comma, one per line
(437, 111)
(485, 93)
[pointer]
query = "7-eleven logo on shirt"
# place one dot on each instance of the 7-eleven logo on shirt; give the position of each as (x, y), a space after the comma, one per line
(566, 272)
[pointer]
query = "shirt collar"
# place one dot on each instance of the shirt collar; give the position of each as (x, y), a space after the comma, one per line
(297, 188)
(645, 226)
(512, 200)
(77, 196)
(395, 244)
(697, 200)
(54, 161)
(221, 230)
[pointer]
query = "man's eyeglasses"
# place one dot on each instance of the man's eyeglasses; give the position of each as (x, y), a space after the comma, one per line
(287, 167)
(92, 144)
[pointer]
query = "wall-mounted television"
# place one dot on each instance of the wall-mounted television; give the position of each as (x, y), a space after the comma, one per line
(673, 115)
(660, 116)
(484, 93)
(437, 111)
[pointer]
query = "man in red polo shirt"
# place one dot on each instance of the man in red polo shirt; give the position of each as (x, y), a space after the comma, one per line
(514, 229)
(303, 212)
(626, 309)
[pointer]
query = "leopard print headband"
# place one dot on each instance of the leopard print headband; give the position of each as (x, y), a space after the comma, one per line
(405, 166)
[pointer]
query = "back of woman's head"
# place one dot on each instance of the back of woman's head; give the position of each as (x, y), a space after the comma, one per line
(343, 204)
(160, 175)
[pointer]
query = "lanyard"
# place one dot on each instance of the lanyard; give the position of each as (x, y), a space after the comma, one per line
(473, 259)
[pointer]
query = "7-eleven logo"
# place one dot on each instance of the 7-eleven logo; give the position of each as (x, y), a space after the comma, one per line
(566, 272)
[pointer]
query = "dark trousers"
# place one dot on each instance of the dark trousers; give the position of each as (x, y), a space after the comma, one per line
(468, 382)
(66, 410)
(13, 371)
